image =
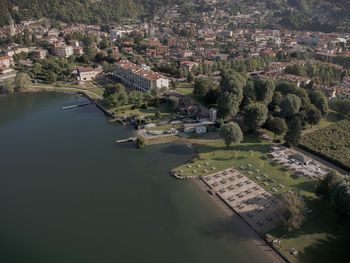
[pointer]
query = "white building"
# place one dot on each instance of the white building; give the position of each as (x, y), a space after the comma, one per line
(64, 51)
(139, 77)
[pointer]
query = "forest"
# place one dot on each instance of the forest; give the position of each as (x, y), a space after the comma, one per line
(77, 11)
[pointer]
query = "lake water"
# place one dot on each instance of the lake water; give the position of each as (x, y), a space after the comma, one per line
(69, 193)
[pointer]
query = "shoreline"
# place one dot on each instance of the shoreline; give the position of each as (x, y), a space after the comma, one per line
(258, 240)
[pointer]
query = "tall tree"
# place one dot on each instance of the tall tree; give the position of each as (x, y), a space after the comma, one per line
(277, 125)
(293, 134)
(231, 133)
(324, 186)
(255, 115)
(21, 82)
(292, 211)
(290, 105)
(340, 194)
(228, 104)
(318, 98)
(264, 89)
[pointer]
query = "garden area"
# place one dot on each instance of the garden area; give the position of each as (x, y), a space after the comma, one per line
(331, 143)
(252, 154)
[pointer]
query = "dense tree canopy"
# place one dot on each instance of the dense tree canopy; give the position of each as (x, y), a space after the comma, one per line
(231, 133)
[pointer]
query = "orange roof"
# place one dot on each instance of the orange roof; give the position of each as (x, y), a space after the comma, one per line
(6, 57)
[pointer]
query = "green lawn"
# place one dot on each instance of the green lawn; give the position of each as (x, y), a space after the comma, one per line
(185, 89)
(126, 110)
(253, 150)
(324, 236)
(98, 91)
(103, 81)
(322, 239)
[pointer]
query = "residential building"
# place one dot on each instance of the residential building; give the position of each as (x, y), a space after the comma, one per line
(64, 51)
(139, 77)
(40, 53)
(86, 73)
(6, 61)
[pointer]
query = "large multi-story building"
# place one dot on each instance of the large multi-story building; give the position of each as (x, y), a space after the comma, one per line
(139, 77)
(64, 51)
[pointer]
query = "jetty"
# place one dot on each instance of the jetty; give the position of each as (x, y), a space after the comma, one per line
(117, 120)
(76, 106)
(130, 139)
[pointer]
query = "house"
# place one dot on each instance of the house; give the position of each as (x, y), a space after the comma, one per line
(64, 51)
(141, 78)
(40, 53)
(188, 64)
(86, 73)
(128, 50)
(6, 61)
(78, 51)
(74, 43)
(5, 70)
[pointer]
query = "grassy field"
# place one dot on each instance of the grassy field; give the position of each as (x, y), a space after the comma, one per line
(254, 151)
(185, 89)
(324, 236)
(126, 110)
(331, 142)
(321, 239)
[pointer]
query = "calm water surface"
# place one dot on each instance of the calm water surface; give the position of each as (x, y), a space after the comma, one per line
(68, 193)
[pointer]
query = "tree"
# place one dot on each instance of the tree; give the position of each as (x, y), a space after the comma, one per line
(228, 104)
(173, 102)
(202, 86)
(37, 69)
(51, 77)
(293, 134)
(21, 82)
(115, 95)
(276, 101)
(158, 115)
(292, 211)
(190, 77)
(248, 93)
(231, 133)
(318, 98)
(325, 185)
(340, 194)
(277, 125)
(255, 115)
(264, 89)
(7, 86)
(135, 97)
(313, 115)
(290, 105)
(140, 142)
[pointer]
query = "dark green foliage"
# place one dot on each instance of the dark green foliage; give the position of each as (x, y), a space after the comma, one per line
(78, 11)
(277, 125)
(325, 184)
(264, 89)
(276, 101)
(312, 115)
(291, 88)
(231, 133)
(340, 194)
(332, 143)
(293, 134)
(158, 115)
(292, 209)
(173, 102)
(341, 106)
(318, 98)
(202, 86)
(255, 115)
(228, 104)
(115, 95)
(140, 142)
(290, 105)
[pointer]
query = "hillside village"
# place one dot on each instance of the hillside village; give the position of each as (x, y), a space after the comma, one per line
(188, 77)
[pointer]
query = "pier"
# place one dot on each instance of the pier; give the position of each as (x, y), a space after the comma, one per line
(131, 139)
(76, 106)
